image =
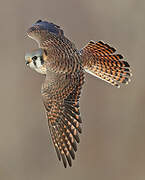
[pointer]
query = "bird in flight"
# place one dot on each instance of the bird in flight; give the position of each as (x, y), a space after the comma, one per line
(64, 66)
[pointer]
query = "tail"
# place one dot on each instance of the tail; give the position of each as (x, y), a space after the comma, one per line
(99, 60)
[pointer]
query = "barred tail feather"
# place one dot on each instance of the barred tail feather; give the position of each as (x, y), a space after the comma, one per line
(99, 60)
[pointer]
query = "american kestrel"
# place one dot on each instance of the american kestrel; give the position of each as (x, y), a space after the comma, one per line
(63, 66)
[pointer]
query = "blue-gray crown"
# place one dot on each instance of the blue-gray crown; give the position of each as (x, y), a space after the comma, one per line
(52, 28)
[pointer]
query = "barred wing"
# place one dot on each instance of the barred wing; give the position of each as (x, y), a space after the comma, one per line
(100, 60)
(62, 110)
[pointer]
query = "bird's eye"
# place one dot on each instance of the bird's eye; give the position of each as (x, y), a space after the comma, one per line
(34, 57)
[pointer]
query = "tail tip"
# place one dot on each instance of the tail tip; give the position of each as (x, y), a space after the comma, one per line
(126, 64)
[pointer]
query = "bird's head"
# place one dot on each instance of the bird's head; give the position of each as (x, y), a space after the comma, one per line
(35, 60)
(39, 30)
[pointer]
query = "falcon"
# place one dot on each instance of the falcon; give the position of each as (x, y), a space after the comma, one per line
(63, 66)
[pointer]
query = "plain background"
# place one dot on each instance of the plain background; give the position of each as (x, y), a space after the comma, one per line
(113, 140)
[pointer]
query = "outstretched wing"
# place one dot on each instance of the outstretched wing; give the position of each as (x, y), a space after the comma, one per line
(62, 87)
(61, 95)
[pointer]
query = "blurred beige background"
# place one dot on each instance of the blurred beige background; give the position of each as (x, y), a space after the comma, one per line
(113, 141)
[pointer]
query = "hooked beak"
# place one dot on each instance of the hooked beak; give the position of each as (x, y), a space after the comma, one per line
(27, 63)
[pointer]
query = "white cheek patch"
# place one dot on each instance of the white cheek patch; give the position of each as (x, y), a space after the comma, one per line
(31, 65)
(38, 67)
(38, 63)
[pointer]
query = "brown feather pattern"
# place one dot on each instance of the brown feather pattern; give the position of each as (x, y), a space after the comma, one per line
(61, 90)
(64, 120)
(99, 59)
